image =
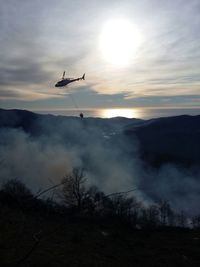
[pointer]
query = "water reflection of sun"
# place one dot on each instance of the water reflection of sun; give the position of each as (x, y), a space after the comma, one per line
(121, 112)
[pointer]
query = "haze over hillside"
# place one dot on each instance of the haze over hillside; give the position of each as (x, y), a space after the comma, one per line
(159, 157)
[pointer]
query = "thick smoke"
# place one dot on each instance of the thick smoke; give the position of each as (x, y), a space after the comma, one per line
(32, 161)
(40, 160)
(177, 184)
(48, 151)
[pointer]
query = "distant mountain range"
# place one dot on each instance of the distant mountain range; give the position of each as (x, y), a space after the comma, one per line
(37, 123)
(171, 139)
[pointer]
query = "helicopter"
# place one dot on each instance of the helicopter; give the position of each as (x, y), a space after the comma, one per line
(66, 81)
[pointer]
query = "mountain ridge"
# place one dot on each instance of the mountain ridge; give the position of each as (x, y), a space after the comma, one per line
(168, 139)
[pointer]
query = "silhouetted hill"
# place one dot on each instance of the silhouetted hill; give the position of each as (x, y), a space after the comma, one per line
(37, 124)
(171, 139)
(17, 118)
(81, 243)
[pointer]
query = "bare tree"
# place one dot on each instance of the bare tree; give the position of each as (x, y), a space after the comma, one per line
(196, 222)
(15, 192)
(182, 219)
(151, 216)
(165, 212)
(74, 190)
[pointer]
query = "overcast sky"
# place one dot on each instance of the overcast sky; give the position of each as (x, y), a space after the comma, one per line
(40, 39)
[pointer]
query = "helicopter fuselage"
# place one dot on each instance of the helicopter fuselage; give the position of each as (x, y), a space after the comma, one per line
(65, 82)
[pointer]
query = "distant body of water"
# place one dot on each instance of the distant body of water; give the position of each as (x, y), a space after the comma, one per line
(140, 113)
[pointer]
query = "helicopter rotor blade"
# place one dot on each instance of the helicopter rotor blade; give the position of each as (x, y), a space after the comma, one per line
(63, 75)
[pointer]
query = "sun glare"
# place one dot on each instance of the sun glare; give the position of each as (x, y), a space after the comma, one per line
(119, 41)
(127, 113)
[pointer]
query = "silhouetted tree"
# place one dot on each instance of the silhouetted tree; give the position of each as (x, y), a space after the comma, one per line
(93, 201)
(196, 222)
(153, 216)
(15, 192)
(181, 219)
(165, 212)
(125, 208)
(74, 190)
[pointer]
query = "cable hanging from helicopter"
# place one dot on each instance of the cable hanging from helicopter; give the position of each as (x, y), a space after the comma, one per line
(65, 81)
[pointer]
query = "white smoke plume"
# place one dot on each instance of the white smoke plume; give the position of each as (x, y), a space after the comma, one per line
(39, 160)
(110, 160)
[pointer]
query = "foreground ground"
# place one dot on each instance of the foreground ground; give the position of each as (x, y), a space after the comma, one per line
(32, 240)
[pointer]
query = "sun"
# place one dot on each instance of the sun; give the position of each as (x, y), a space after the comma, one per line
(119, 41)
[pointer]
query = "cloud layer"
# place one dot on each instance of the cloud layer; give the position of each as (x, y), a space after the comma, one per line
(41, 39)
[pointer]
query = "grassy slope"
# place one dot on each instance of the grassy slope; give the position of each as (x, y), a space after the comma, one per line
(92, 244)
